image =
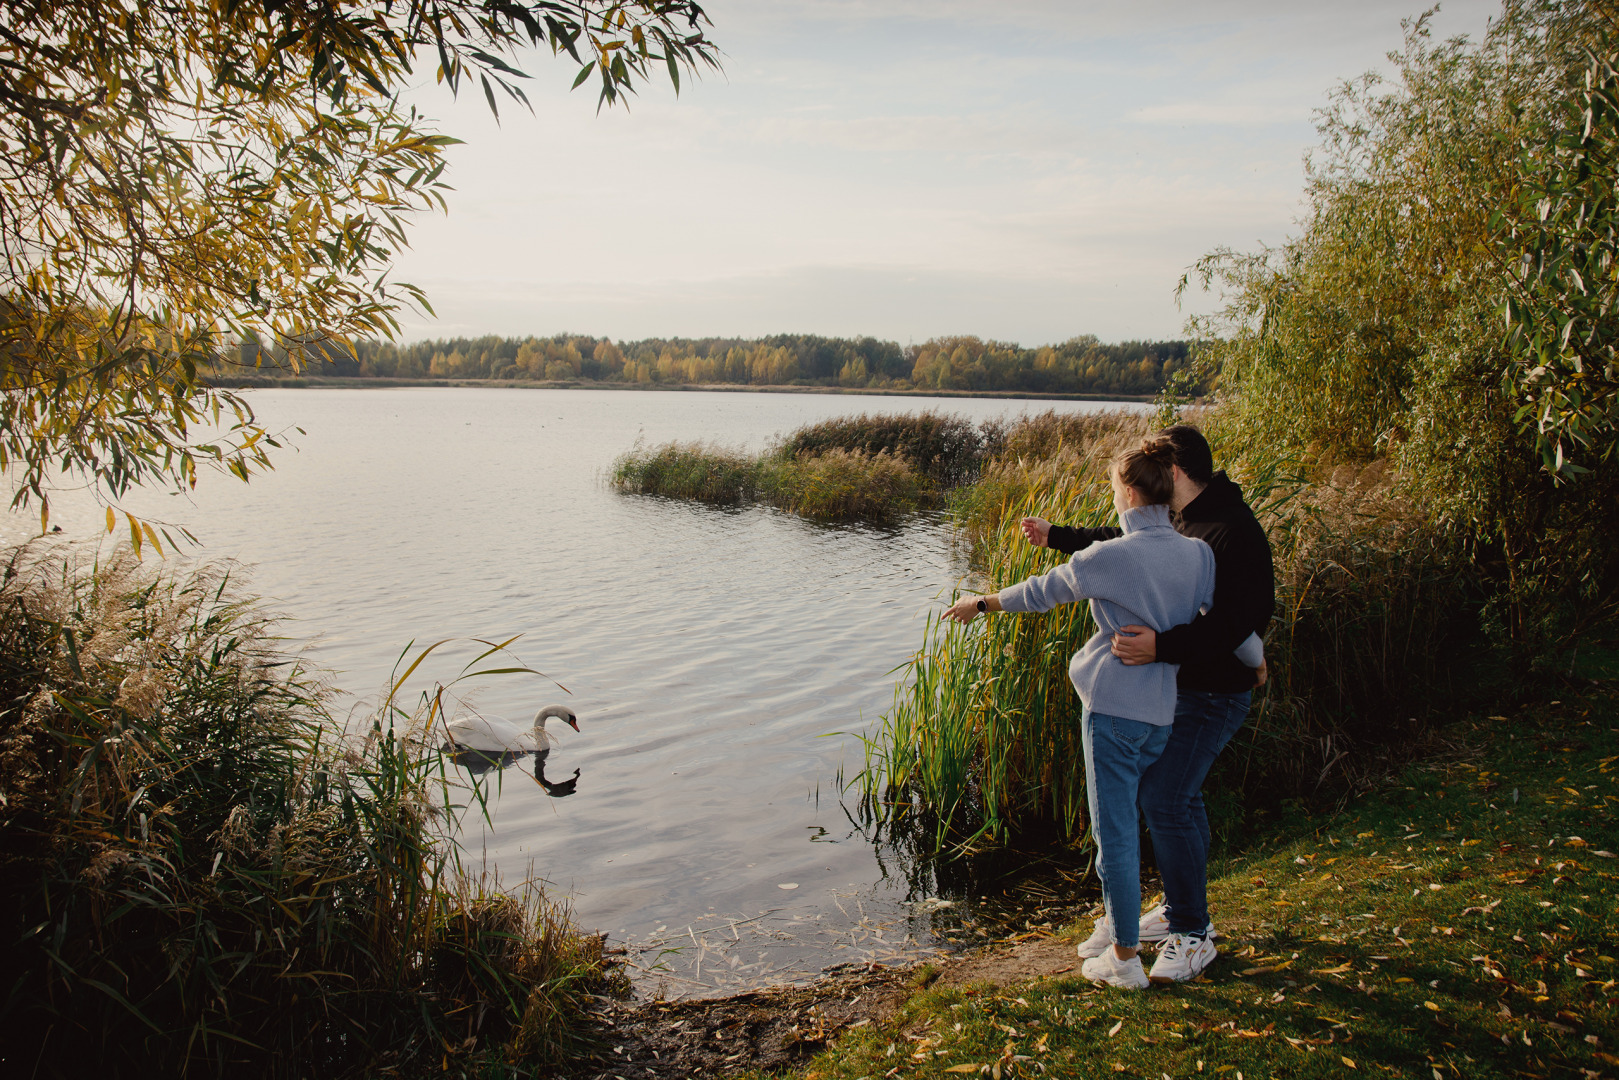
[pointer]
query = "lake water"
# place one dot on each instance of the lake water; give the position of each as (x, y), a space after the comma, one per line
(718, 658)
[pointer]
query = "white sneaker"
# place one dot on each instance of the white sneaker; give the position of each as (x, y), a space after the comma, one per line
(1108, 968)
(1154, 926)
(1182, 957)
(1100, 941)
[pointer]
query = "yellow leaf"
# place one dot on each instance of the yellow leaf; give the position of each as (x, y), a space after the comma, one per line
(1430, 1006)
(1114, 1030)
(134, 533)
(112, 520)
(964, 1068)
(1350, 1062)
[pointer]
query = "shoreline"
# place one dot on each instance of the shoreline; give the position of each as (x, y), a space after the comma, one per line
(345, 382)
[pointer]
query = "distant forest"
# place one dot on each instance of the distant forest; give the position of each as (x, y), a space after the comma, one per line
(1081, 365)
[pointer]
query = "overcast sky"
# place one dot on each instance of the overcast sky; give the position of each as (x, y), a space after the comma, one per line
(1026, 170)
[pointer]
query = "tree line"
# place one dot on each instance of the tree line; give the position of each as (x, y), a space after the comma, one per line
(1080, 365)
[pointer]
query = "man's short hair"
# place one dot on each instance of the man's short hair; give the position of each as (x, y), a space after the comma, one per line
(1192, 452)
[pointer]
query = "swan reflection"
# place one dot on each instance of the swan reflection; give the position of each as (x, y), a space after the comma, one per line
(561, 789)
(480, 762)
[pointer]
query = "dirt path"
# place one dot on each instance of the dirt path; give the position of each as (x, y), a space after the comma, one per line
(774, 1028)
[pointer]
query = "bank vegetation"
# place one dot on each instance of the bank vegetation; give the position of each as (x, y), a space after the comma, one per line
(1417, 394)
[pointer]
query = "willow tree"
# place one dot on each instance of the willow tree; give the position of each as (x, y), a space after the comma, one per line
(1561, 245)
(1449, 307)
(178, 175)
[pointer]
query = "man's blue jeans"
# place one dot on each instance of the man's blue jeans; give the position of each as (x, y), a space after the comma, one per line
(1117, 752)
(1171, 795)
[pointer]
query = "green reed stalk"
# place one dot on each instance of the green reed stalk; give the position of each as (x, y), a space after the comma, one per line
(983, 742)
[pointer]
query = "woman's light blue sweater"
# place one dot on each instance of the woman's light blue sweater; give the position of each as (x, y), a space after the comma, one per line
(1151, 576)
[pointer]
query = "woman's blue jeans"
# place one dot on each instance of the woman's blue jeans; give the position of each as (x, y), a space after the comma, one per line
(1171, 797)
(1117, 752)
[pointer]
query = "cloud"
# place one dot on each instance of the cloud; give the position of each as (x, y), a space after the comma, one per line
(1023, 169)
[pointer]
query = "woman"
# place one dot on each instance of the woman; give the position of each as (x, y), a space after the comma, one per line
(1151, 575)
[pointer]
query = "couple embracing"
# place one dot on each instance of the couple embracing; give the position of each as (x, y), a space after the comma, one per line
(1180, 591)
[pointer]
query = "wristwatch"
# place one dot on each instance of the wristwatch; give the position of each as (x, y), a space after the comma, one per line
(982, 606)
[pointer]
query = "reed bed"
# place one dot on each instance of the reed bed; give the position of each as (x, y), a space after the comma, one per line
(698, 471)
(948, 450)
(867, 468)
(983, 742)
(201, 873)
(845, 485)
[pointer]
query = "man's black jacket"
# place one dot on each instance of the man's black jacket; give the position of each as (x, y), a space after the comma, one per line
(1244, 587)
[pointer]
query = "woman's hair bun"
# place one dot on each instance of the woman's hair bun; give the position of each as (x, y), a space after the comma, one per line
(1159, 448)
(1149, 468)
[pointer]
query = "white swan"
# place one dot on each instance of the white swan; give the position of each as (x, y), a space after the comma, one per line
(494, 735)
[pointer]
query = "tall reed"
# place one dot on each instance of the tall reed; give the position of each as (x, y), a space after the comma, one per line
(697, 471)
(201, 873)
(948, 450)
(983, 741)
(844, 485)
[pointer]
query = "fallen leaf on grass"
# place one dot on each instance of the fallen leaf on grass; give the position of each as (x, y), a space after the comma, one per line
(1430, 1006)
(1114, 1030)
(1340, 969)
(964, 1068)
(1350, 1062)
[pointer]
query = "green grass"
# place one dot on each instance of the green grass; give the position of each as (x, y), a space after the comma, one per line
(1459, 924)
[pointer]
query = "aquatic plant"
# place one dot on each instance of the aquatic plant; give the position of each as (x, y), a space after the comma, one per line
(844, 485)
(948, 450)
(698, 471)
(202, 872)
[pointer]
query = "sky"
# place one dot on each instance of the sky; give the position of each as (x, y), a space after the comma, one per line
(1022, 170)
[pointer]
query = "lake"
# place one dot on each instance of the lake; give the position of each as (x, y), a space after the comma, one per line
(718, 658)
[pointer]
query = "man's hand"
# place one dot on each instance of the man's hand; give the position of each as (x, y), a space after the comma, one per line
(1036, 530)
(1136, 645)
(1261, 673)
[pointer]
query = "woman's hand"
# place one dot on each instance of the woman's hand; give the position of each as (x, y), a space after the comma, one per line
(965, 610)
(1036, 530)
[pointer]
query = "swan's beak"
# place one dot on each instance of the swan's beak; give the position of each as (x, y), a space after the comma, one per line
(573, 721)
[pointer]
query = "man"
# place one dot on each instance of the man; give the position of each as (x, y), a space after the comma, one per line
(1214, 689)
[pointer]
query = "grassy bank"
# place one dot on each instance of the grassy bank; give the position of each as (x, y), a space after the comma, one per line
(1456, 924)
(201, 873)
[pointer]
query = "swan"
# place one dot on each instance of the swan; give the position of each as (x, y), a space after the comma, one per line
(494, 735)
